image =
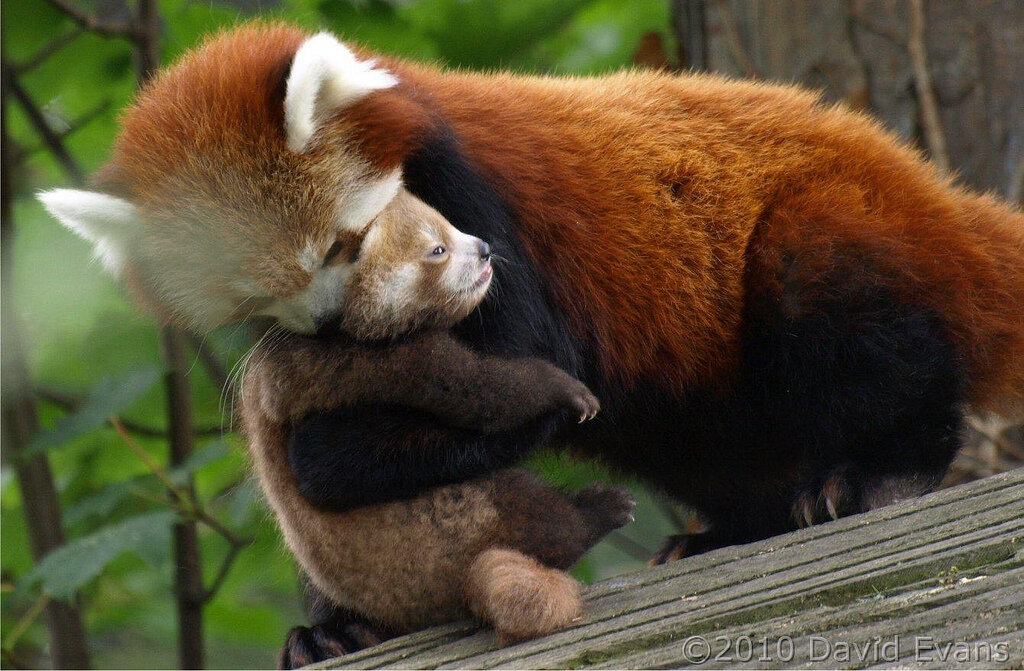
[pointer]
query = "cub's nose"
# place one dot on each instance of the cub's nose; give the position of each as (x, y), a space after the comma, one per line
(484, 250)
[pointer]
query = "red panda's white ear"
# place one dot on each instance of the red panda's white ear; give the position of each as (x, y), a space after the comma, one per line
(324, 78)
(106, 221)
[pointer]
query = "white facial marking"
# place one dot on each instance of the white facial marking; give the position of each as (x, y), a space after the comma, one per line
(309, 257)
(107, 222)
(325, 76)
(322, 297)
(367, 201)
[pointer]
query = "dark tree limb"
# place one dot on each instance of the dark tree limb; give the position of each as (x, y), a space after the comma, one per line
(20, 423)
(48, 50)
(189, 591)
(934, 134)
(84, 20)
(732, 36)
(214, 367)
(689, 25)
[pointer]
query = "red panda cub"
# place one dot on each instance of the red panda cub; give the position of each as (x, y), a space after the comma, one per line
(493, 547)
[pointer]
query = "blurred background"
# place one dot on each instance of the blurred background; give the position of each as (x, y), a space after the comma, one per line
(132, 533)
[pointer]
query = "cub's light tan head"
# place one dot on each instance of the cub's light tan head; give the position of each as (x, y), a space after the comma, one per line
(238, 186)
(414, 269)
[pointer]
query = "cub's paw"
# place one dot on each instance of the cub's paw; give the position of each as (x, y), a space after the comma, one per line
(310, 645)
(578, 398)
(609, 507)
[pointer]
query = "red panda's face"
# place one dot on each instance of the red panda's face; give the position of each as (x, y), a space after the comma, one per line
(413, 269)
(244, 187)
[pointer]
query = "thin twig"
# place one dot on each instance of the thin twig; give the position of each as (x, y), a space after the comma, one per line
(124, 29)
(213, 366)
(934, 134)
(878, 29)
(53, 140)
(180, 494)
(72, 403)
(184, 501)
(732, 36)
(26, 620)
(222, 573)
(41, 56)
(85, 119)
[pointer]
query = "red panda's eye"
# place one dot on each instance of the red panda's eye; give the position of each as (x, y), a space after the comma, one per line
(439, 250)
(333, 252)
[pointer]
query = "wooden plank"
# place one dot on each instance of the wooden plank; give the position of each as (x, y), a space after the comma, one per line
(942, 572)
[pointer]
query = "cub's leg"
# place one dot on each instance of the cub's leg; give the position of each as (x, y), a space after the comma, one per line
(518, 585)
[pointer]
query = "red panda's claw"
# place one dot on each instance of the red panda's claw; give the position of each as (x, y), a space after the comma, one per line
(831, 507)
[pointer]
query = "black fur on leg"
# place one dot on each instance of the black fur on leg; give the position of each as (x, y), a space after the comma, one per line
(844, 391)
(369, 455)
(334, 632)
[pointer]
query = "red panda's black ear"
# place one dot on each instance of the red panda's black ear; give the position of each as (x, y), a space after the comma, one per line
(106, 221)
(325, 77)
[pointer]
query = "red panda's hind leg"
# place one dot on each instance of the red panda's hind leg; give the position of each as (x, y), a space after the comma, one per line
(520, 597)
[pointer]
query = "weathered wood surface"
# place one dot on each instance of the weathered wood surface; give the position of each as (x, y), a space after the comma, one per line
(936, 582)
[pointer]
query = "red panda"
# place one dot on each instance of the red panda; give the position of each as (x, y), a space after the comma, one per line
(783, 308)
(492, 546)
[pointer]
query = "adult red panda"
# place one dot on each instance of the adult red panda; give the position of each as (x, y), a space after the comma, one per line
(783, 309)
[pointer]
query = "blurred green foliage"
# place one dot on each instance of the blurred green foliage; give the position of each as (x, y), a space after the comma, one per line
(86, 340)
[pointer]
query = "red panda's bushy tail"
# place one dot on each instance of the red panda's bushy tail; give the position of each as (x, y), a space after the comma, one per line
(993, 321)
(520, 597)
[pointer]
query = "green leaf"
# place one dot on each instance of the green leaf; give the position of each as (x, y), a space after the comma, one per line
(102, 504)
(208, 454)
(109, 397)
(65, 570)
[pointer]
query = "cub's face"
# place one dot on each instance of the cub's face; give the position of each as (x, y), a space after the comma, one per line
(413, 269)
(246, 187)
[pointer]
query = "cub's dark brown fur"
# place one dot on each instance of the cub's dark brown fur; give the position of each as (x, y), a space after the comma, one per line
(428, 371)
(493, 547)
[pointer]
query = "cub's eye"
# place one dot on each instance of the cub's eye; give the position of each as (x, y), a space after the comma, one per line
(333, 252)
(439, 250)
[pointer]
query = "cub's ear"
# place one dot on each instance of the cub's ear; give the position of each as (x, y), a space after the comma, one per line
(325, 77)
(106, 221)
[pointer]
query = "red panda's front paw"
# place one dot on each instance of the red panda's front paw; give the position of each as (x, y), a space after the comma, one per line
(608, 507)
(581, 401)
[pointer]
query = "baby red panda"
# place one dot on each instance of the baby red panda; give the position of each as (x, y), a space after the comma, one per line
(493, 547)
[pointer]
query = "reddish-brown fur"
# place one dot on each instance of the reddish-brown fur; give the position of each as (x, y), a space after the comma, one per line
(641, 219)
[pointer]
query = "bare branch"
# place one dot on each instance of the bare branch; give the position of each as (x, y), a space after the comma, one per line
(689, 26)
(878, 29)
(70, 402)
(85, 119)
(214, 367)
(934, 134)
(222, 574)
(50, 49)
(40, 503)
(88, 22)
(732, 35)
(51, 138)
